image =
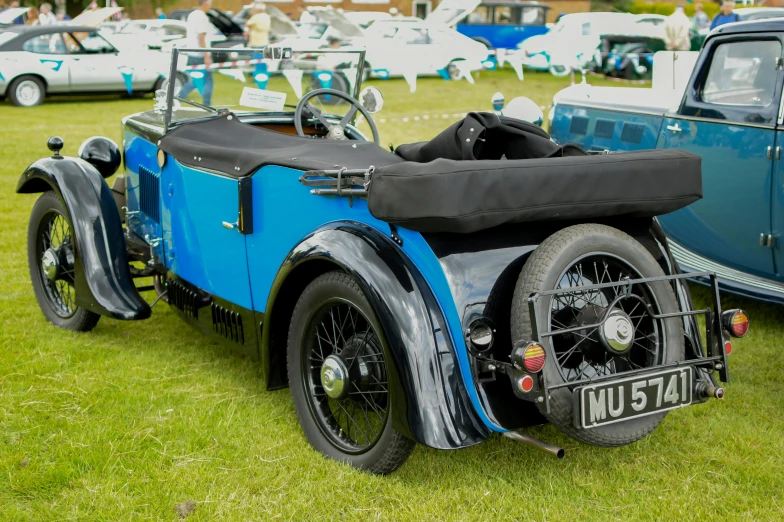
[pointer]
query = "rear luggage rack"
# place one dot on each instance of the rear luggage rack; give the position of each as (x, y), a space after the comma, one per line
(716, 356)
(341, 182)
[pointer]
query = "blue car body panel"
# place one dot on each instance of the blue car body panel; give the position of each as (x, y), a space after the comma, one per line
(501, 36)
(196, 203)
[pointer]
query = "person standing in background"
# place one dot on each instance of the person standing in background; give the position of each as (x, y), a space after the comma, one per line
(700, 19)
(118, 15)
(257, 28)
(20, 19)
(726, 15)
(198, 27)
(676, 31)
(46, 16)
(32, 17)
(160, 14)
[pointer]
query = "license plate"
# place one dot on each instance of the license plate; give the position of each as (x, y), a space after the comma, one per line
(632, 397)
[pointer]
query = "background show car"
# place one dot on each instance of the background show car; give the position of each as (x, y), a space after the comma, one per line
(395, 47)
(281, 26)
(223, 23)
(434, 294)
(728, 109)
(152, 34)
(573, 41)
(497, 24)
(66, 59)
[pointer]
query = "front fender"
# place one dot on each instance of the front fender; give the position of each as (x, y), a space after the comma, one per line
(432, 404)
(102, 279)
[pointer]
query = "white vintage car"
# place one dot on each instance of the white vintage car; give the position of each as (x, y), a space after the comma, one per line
(154, 33)
(69, 59)
(574, 40)
(396, 47)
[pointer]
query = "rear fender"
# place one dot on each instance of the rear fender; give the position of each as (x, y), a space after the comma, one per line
(103, 281)
(433, 405)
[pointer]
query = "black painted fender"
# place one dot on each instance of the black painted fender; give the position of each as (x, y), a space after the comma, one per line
(103, 280)
(432, 404)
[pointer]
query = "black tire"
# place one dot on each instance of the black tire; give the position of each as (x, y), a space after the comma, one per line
(389, 449)
(163, 83)
(50, 226)
(545, 270)
(27, 91)
(453, 71)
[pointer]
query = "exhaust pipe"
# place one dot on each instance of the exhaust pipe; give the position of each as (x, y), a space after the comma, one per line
(536, 443)
(707, 391)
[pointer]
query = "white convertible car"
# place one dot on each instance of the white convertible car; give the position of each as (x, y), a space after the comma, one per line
(67, 59)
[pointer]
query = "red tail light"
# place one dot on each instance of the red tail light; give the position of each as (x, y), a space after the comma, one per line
(533, 358)
(727, 347)
(736, 322)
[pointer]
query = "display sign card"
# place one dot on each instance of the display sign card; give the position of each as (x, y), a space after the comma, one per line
(261, 99)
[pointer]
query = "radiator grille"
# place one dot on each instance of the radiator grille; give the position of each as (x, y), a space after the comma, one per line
(604, 128)
(149, 193)
(632, 132)
(579, 125)
(228, 324)
(183, 298)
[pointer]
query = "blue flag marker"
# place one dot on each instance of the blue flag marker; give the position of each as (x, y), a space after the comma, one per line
(261, 80)
(381, 73)
(52, 64)
(324, 78)
(443, 73)
(197, 77)
(127, 74)
(2, 78)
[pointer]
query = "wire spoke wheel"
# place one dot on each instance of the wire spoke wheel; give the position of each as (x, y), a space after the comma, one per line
(55, 249)
(52, 260)
(587, 353)
(345, 376)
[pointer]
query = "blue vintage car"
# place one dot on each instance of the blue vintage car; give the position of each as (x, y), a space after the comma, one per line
(435, 294)
(724, 104)
(497, 24)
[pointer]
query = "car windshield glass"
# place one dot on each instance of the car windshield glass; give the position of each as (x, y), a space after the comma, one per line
(244, 81)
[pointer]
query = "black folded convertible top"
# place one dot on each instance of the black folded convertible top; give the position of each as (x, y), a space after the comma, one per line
(466, 196)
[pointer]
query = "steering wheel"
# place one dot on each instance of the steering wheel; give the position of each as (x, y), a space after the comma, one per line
(335, 131)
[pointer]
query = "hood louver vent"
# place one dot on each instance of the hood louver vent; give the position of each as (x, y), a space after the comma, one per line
(150, 193)
(183, 298)
(632, 132)
(579, 125)
(228, 324)
(604, 128)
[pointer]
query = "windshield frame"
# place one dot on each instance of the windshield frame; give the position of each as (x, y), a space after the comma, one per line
(177, 51)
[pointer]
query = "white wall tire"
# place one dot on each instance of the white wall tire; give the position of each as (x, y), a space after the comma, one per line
(27, 91)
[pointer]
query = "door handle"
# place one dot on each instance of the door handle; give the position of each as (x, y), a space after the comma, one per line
(230, 226)
(769, 152)
(674, 128)
(778, 153)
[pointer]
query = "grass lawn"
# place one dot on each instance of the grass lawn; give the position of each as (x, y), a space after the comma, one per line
(132, 419)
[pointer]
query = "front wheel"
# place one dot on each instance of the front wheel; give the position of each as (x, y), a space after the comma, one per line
(586, 255)
(26, 91)
(51, 257)
(338, 376)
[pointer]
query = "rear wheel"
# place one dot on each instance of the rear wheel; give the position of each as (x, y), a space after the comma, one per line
(27, 91)
(338, 377)
(584, 255)
(51, 256)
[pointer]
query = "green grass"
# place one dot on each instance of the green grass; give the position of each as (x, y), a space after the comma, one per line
(130, 420)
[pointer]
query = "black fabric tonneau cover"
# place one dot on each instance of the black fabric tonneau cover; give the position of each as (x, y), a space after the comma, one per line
(466, 196)
(224, 144)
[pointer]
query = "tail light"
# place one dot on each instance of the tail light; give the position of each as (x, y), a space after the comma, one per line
(530, 357)
(727, 347)
(736, 322)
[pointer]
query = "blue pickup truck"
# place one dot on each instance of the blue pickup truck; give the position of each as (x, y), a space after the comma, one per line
(728, 108)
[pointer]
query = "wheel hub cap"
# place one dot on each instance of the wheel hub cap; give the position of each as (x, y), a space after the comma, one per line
(50, 264)
(617, 332)
(334, 377)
